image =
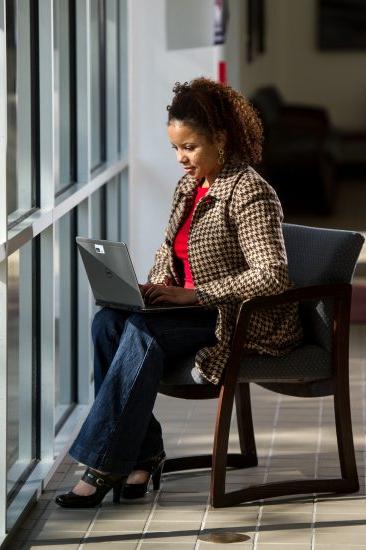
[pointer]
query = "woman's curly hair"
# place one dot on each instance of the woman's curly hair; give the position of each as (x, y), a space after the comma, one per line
(211, 107)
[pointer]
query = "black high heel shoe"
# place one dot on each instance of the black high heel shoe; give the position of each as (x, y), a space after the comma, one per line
(154, 467)
(103, 483)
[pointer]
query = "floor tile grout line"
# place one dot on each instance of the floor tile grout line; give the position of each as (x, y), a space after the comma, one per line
(148, 520)
(91, 525)
(196, 546)
(268, 462)
(316, 470)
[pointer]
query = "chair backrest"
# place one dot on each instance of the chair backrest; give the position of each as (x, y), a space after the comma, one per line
(268, 101)
(320, 256)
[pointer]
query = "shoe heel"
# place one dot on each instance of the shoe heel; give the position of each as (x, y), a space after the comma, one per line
(117, 489)
(156, 477)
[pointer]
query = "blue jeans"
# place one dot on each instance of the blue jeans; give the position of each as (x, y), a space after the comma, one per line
(131, 351)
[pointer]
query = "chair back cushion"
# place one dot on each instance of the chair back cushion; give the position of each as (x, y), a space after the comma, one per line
(320, 256)
(269, 103)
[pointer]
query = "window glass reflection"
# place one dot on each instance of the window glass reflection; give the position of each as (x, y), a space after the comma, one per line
(20, 387)
(65, 317)
(64, 56)
(97, 84)
(122, 77)
(20, 164)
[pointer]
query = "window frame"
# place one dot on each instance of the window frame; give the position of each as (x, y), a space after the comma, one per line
(37, 226)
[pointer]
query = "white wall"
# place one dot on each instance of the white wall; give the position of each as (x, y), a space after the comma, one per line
(264, 69)
(182, 30)
(233, 47)
(153, 70)
(303, 73)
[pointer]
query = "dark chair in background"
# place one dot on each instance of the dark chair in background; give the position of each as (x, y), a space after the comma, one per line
(299, 152)
(321, 264)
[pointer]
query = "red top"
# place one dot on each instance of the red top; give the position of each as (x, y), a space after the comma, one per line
(180, 244)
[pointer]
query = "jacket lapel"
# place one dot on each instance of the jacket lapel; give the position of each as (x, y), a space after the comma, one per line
(225, 182)
(183, 205)
(221, 189)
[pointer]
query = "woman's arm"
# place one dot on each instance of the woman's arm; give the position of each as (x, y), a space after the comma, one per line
(160, 272)
(257, 214)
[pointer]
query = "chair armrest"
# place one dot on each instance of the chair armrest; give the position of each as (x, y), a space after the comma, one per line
(340, 292)
(293, 295)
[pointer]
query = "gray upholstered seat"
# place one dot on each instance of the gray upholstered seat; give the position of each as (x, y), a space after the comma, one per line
(308, 362)
(305, 363)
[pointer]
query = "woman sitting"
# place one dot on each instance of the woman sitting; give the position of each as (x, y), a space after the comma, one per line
(223, 245)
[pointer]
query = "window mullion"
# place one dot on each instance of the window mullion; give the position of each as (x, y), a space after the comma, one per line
(83, 162)
(3, 273)
(47, 198)
(3, 124)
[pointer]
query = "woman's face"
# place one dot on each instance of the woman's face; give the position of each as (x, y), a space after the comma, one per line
(195, 152)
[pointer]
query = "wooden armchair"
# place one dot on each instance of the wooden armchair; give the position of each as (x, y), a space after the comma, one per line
(321, 264)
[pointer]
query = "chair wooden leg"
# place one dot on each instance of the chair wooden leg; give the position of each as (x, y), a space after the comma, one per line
(347, 484)
(346, 450)
(245, 424)
(221, 442)
(221, 459)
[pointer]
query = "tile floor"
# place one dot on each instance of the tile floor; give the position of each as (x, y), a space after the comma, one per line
(294, 437)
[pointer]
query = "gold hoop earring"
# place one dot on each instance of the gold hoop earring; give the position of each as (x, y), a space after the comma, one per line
(221, 156)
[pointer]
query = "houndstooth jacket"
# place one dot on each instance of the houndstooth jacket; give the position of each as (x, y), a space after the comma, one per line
(236, 252)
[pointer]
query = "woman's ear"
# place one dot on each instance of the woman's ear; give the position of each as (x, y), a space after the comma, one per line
(220, 139)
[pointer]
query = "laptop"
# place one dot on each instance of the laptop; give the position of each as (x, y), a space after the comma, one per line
(113, 279)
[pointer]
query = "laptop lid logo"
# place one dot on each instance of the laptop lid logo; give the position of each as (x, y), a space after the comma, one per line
(99, 249)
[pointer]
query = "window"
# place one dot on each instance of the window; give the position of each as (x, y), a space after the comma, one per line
(21, 386)
(122, 76)
(65, 92)
(47, 302)
(21, 95)
(98, 92)
(65, 316)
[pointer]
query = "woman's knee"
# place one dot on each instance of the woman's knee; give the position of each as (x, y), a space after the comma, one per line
(106, 323)
(137, 320)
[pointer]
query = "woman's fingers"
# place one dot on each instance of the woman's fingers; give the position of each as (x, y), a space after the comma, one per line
(159, 292)
(162, 299)
(150, 290)
(143, 288)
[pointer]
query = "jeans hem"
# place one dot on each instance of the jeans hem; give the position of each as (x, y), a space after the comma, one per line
(150, 457)
(98, 462)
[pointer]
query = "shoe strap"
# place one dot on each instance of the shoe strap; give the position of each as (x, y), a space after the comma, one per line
(95, 479)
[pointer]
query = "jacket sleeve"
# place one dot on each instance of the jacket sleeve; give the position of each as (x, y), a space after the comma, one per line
(160, 272)
(257, 216)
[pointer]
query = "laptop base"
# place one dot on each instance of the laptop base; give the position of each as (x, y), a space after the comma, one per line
(149, 309)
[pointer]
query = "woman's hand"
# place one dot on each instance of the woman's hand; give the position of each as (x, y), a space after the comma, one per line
(159, 294)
